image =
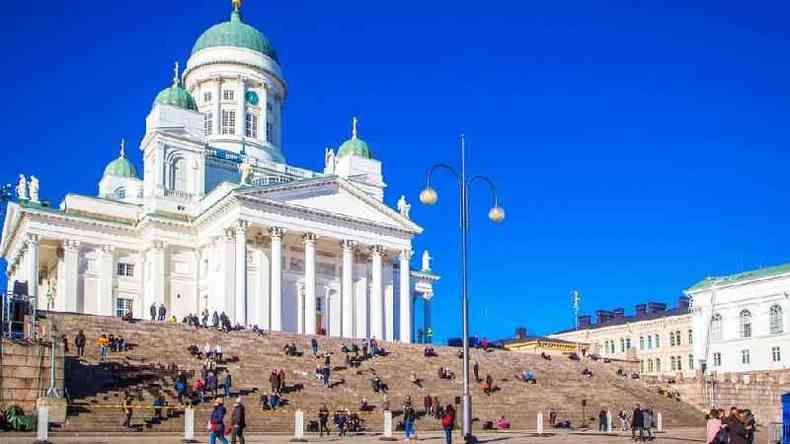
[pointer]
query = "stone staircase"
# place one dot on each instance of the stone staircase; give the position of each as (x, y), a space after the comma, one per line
(96, 388)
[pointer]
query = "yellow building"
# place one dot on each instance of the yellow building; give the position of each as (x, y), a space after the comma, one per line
(539, 344)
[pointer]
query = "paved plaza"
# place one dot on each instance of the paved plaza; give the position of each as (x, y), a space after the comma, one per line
(680, 435)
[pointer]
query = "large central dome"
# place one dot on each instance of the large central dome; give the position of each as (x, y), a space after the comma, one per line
(235, 33)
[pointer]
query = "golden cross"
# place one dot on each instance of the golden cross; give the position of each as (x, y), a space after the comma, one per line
(236, 4)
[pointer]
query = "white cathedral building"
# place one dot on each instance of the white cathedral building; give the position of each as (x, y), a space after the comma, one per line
(219, 221)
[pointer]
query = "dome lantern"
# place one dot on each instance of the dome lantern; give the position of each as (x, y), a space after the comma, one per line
(121, 166)
(354, 146)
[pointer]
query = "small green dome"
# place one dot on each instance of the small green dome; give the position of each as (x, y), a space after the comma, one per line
(121, 167)
(354, 145)
(176, 96)
(237, 34)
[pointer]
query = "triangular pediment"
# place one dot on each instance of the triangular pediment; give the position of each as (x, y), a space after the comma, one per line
(333, 195)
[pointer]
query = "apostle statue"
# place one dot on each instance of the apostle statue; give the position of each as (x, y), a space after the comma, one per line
(246, 172)
(21, 187)
(403, 207)
(34, 189)
(426, 261)
(329, 161)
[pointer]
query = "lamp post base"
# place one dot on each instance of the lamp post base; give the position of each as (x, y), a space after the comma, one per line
(470, 439)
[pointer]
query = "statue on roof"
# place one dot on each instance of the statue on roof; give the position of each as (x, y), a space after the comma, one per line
(21, 187)
(329, 161)
(426, 261)
(403, 207)
(245, 168)
(33, 189)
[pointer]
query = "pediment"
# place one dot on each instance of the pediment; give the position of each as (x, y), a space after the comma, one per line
(335, 196)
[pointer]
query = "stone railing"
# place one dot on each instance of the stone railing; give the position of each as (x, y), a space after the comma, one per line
(179, 195)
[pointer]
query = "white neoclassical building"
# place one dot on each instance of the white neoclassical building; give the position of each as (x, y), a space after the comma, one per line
(219, 221)
(741, 322)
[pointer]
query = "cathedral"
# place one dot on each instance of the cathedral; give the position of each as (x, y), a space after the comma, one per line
(219, 221)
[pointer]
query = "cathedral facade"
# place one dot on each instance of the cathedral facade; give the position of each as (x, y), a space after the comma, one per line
(219, 221)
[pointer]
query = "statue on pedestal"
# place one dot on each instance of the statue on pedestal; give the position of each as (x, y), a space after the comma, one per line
(34, 189)
(246, 172)
(21, 187)
(426, 261)
(403, 207)
(329, 161)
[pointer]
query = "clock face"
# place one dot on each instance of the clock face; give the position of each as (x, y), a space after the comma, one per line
(252, 97)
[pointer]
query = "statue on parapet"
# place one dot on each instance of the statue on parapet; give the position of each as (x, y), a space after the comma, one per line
(426, 261)
(403, 207)
(21, 187)
(33, 186)
(245, 168)
(329, 161)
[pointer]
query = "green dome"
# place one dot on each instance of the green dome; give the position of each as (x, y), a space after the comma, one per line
(355, 146)
(121, 167)
(237, 34)
(176, 96)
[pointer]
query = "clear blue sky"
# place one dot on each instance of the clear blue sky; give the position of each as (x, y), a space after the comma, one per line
(638, 149)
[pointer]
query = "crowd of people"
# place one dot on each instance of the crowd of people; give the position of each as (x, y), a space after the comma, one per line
(737, 427)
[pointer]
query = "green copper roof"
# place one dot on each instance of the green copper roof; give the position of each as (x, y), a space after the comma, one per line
(740, 277)
(237, 34)
(355, 146)
(176, 96)
(121, 166)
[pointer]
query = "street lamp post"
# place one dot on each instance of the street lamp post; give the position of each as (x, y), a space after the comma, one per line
(496, 214)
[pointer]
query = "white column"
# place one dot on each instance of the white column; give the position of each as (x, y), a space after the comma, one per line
(309, 283)
(32, 266)
(197, 302)
(405, 297)
(426, 318)
(241, 272)
(361, 310)
(334, 300)
(347, 287)
(228, 274)
(217, 130)
(157, 270)
(241, 120)
(300, 314)
(376, 295)
(262, 293)
(71, 259)
(104, 304)
(277, 278)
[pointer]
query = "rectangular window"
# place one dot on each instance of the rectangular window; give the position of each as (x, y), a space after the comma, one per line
(228, 122)
(658, 342)
(251, 126)
(208, 123)
(776, 354)
(207, 96)
(628, 343)
(622, 345)
(641, 343)
(672, 363)
(717, 359)
(125, 269)
(122, 306)
(671, 339)
(649, 342)
(691, 362)
(691, 336)
(745, 357)
(227, 94)
(269, 107)
(269, 132)
(679, 361)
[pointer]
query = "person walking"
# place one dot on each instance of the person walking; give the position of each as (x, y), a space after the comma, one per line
(153, 312)
(79, 342)
(323, 418)
(448, 423)
(409, 416)
(637, 424)
(162, 312)
(602, 421)
(127, 409)
(476, 371)
(314, 346)
(217, 423)
(228, 382)
(238, 418)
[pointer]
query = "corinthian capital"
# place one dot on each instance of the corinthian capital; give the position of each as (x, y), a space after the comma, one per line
(277, 232)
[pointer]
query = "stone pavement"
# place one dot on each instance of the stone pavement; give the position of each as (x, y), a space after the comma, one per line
(690, 435)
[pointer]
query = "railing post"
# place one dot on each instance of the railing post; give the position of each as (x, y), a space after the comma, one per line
(540, 423)
(659, 422)
(387, 426)
(298, 427)
(42, 426)
(189, 425)
(608, 421)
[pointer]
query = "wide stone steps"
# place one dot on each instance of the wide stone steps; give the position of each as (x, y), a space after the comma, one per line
(96, 388)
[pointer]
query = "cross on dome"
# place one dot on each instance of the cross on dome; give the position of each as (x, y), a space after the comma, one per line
(123, 143)
(354, 127)
(236, 4)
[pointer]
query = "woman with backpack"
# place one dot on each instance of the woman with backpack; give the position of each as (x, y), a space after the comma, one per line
(448, 423)
(216, 424)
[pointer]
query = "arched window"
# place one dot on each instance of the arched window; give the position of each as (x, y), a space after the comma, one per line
(746, 324)
(776, 319)
(672, 362)
(119, 193)
(715, 327)
(677, 337)
(658, 365)
(672, 339)
(178, 175)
